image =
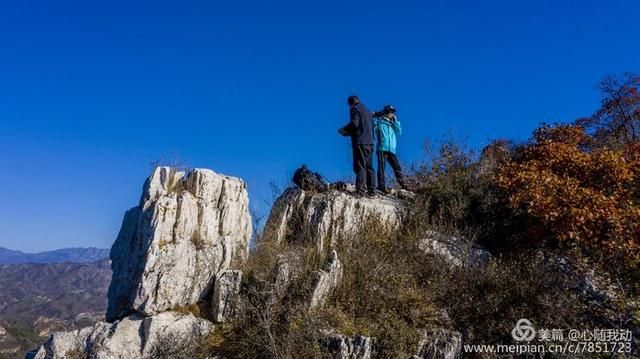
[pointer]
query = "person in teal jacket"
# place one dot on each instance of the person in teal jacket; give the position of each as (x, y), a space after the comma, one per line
(387, 128)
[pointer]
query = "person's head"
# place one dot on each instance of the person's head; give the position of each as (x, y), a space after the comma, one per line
(389, 110)
(353, 100)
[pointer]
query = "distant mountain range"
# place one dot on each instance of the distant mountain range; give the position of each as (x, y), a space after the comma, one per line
(38, 299)
(75, 255)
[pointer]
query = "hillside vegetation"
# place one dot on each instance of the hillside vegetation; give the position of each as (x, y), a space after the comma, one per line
(560, 215)
(546, 230)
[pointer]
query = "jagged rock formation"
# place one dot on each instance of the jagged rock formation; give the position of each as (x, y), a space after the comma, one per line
(187, 228)
(282, 274)
(169, 252)
(442, 344)
(226, 293)
(44, 326)
(328, 217)
(356, 347)
(453, 250)
(131, 337)
(325, 280)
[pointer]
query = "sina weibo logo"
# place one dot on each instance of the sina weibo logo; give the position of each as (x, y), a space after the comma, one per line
(523, 331)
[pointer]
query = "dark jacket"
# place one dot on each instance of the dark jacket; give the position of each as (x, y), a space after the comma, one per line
(360, 126)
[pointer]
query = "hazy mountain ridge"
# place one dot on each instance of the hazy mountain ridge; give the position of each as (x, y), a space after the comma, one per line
(76, 255)
(37, 299)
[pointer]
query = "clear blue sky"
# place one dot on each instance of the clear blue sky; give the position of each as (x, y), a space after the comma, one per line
(92, 92)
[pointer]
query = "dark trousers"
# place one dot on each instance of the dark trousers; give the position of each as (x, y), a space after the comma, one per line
(383, 158)
(363, 167)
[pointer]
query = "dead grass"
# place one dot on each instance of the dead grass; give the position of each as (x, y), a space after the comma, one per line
(380, 294)
(197, 240)
(194, 309)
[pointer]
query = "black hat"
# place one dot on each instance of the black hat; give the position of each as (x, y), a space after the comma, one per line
(389, 108)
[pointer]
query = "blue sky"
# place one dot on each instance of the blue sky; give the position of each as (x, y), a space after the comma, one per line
(92, 92)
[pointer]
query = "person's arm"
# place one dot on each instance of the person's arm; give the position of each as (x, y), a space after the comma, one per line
(354, 118)
(346, 130)
(397, 128)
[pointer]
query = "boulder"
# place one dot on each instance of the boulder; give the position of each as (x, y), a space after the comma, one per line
(355, 347)
(326, 280)
(45, 326)
(226, 292)
(131, 337)
(328, 217)
(281, 278)
(453, 250)
(440, 344)
(186, 229)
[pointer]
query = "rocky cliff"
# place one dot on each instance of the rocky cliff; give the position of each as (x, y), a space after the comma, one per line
(326, 218)
(188, 227)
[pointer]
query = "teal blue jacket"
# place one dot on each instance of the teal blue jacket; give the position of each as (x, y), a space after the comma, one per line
(386, 133)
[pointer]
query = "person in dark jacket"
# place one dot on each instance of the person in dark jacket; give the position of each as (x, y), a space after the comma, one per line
(387, 128)
(360, 128)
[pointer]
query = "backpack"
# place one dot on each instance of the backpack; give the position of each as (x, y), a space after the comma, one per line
(309, 181)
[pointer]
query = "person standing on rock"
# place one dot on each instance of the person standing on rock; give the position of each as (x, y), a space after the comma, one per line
(387, 128)
(360, 129)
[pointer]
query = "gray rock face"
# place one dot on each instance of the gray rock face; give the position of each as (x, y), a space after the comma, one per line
(226, 292)
(440, 344)
(187, 228)
(357, 347)
(281, 277)
(328, 217)
(131, 337)
(326, 280)
(453, 250)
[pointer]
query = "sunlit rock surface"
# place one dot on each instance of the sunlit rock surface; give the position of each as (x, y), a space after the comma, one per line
(328, 217)
(186, 229)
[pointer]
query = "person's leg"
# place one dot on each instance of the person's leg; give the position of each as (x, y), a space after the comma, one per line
(359, 167)
(381, 163)
(397, 170)
(371, 172)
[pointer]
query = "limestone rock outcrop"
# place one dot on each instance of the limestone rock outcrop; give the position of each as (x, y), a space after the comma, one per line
(131, 337)
(171, 248)
(441, 343)
(345, 347)
(453, 250)
(282, 274)
(328, 217)
(186, 229)
(226, 293)
(326, 280)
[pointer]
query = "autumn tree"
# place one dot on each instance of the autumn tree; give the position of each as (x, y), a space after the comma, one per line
(617, 122)
(580, 196)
